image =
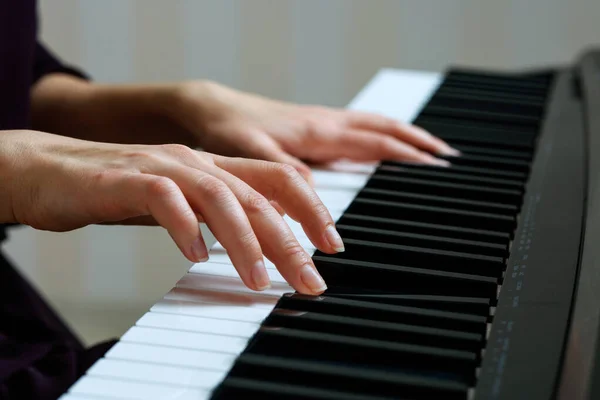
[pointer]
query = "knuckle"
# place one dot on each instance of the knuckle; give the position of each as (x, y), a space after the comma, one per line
(178, 150)
(248, 239)
(292, 249)
(216, 189)
(285, 172)
(385, 145)
(160, 186)
(255, 203)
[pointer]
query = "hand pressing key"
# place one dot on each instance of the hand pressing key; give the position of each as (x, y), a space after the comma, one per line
(57, 183)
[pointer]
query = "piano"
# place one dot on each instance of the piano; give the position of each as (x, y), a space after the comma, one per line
(477, 281)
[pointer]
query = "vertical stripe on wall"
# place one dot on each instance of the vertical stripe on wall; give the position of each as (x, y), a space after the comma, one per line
(211, 40)
(107, 44)
(266, 54)
(320, 68)
(106, 39)
(157, 47)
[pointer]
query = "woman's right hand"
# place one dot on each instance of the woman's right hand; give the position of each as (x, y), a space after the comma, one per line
(57, 183)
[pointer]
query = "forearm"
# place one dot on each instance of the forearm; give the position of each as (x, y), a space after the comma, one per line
(70, 106)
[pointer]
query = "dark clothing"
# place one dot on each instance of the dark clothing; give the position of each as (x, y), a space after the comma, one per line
(23, 61)
(39, 356)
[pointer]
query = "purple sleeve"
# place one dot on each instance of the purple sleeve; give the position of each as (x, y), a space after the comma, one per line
(46, 63)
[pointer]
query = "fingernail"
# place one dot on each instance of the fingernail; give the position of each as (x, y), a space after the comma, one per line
(334, 239)
(449, 151)
(260, 277)
(438, 161)
(199, 250)
(311, 278)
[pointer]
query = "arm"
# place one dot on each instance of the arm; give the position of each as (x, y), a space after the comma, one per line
(71, 106)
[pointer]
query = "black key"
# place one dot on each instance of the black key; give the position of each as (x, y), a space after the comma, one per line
(439, 201)
(363, 277)
(483, 104)
(465, 305)
(491, 151)
(475, 93)
(447, 175)
(499, 136)
(515, 90)
(356, 380)
(377, 330)
(461, 169)
(363, 250)
(431, 214)
(242, 388)
(384, 312)
(399, 225)
(489, 162)
(362, 352)
(420, 240)
(461, 191)
(477, 115)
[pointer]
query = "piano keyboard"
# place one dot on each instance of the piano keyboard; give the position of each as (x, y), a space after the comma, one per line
(411, 300)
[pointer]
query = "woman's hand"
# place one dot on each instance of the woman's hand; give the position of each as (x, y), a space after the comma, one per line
(56, 183)
(233, 123)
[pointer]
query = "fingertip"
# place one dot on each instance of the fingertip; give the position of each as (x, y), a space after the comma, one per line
(259, 276)
(312, 280)
(199, 251)
(334, 239)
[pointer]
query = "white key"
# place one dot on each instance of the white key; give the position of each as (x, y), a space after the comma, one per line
(153, 373)
(107, 387)
(198, 324)
(226, 284)
(336, 199)
(219, 257)
(171, 356)
(209, 268)
(185, 340)
(231, 312)
(350, 167)
(339, 180)
(252, 299)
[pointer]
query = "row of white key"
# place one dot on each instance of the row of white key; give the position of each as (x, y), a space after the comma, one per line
(185, 345)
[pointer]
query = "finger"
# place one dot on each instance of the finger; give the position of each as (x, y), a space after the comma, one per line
(361, 145)
(283, 184)
(158, 197)
(409, 133)
(265, 148)
(277, 240)
(277, 207)
(227, 220)
(142, 220)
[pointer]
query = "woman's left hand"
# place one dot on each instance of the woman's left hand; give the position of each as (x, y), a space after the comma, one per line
(232, 123)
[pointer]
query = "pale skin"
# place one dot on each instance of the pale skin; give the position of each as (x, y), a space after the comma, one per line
(123, 155)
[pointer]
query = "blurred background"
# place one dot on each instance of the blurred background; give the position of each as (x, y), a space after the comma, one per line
(311, 51)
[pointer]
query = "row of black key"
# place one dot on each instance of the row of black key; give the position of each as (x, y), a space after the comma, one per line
(409, 301)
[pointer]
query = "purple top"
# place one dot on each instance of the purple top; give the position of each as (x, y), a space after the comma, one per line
(39, 356)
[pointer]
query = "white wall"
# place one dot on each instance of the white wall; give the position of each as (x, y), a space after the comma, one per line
(319, 51)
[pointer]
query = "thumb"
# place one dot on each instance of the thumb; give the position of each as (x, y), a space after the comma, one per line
(268, 149)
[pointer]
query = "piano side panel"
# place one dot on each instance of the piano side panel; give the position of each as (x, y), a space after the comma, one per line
(581, 371)
(524, 350)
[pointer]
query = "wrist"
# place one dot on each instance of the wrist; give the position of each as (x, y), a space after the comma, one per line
(194, 104)
(11, 150)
